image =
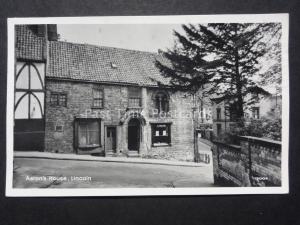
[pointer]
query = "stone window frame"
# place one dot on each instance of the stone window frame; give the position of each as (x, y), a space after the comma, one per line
(169, 136)
(93, 103)
(167, 102)
(58, 100)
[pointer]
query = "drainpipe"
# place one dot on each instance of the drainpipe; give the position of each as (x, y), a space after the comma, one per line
(195, 132)
(225, 116)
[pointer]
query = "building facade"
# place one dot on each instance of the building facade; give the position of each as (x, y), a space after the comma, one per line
(85, 99)
(264, 107)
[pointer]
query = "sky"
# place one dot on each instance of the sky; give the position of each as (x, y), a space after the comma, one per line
(143, 37)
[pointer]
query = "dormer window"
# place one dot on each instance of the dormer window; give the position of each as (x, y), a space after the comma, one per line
(113, 65)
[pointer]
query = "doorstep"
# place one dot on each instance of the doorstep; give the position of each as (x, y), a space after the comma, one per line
(61, 156)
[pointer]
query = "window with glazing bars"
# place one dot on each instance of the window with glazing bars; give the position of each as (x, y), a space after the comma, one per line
(58, 99)
(97, 98)
(134, 97)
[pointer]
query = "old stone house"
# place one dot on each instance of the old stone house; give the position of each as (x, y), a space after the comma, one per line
(86, 99)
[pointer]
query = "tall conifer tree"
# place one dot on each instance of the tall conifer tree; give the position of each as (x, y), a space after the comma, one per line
(222, 57)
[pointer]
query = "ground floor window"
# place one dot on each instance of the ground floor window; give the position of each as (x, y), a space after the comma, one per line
(219, 129)
(161, 134)
(88, 133)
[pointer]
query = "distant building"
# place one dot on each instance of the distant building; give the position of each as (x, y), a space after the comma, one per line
(224, 118)
(204, 119)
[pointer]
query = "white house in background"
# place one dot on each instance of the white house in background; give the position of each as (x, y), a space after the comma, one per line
(224, 119)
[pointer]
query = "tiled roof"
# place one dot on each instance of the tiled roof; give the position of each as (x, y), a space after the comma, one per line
(28, 45)
(103, 64)
(84, 62)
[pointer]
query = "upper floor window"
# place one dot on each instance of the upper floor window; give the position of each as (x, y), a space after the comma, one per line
(134, 97)
(218, 113)
(161, 102)
(30, 76)
(255, 112)
(98, 98)
(58, 99)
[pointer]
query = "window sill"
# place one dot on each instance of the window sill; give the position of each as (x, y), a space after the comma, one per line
(161, 145)
(95, 107)
(133, 107)
(89, 146)
(162, 114)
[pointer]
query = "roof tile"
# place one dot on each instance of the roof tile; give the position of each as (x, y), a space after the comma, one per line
(28, 45)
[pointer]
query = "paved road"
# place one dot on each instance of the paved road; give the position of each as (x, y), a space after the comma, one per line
(50, 173)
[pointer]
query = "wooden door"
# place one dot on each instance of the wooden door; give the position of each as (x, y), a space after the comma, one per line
(134, 135)
(111, 138)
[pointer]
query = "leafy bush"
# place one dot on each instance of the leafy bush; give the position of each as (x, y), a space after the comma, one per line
(264, 128)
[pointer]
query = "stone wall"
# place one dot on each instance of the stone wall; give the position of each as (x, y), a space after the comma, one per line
(181, 119)
(79, 101)
(255, 162)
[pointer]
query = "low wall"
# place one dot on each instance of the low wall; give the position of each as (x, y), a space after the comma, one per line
(255, 162)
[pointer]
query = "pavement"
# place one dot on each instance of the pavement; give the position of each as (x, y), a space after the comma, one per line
(53, 170)
(60, 156)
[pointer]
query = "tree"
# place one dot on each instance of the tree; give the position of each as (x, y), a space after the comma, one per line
(222, 58)
(273, 72)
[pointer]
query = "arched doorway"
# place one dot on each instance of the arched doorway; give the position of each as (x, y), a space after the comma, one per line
(134, 134)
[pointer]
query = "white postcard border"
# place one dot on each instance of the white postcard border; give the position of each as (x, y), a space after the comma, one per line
(240, 18)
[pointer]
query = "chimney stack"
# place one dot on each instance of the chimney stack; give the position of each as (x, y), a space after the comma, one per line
(40, 30)
(52, 32)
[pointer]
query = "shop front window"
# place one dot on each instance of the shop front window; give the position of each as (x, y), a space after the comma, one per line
(161, 134)
(88, 133)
